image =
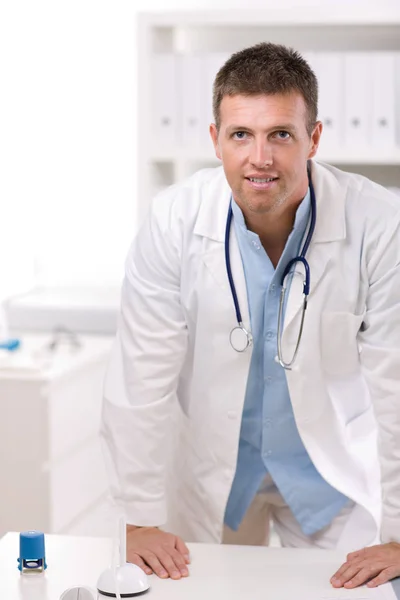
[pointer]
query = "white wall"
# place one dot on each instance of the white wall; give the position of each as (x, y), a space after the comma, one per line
(67, 135)
(67, 121)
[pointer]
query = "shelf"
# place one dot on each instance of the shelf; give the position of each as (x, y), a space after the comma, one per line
(361, 158)
(329, 16)
(343, 157)
(165, 159)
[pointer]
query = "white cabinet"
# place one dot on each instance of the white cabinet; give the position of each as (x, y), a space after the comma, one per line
(51, 465)
(172, 144)
(86, 309)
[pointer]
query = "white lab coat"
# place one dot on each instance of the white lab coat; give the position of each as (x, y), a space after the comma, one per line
(172, 463)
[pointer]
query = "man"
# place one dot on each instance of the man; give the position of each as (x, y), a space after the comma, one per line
(211, 443)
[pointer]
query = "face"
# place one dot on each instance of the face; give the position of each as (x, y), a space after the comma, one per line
(264, 146)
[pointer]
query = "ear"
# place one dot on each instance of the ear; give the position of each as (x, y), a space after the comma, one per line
(214, 137)
(315, 138)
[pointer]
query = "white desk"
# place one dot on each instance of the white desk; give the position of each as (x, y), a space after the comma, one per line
(217, 573)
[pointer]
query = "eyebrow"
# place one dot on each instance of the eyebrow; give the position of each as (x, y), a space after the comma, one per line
(280, 127)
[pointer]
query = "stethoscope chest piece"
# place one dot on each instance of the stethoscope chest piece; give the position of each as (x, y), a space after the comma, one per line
(240, 338)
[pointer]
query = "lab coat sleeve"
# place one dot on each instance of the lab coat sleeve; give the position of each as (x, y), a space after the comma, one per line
(140, 385)
(380, 357)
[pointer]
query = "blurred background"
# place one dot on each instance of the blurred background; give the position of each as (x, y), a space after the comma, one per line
(102, 104)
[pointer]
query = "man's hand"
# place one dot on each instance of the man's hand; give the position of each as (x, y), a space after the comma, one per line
(157, 551)
(374, 565)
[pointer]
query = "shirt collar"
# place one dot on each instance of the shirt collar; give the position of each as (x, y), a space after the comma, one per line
(300, 220)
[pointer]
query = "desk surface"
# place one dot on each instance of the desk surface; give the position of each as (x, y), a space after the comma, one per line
(217, 573)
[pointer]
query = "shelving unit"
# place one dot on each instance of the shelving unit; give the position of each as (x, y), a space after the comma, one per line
(200, 33)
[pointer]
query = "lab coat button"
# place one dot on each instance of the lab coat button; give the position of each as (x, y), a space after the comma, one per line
(232, 414)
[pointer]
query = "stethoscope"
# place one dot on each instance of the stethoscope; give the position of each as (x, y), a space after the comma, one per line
(240, 337)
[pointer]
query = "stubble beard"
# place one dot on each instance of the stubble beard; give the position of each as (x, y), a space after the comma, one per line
(257, 207)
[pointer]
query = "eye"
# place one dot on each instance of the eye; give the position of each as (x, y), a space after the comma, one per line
(239, 135)
(282, 135)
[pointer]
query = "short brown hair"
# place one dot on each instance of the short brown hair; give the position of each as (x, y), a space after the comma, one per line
(270, 69)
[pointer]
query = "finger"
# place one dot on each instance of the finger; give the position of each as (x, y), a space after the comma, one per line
(384, 576)
(361, 577)
(180, 562)
(364, 554)
(354, 555)
(340, 572)
(168, 563)
(183, 549)
(153, 562)
(345, 573)
(137, 560)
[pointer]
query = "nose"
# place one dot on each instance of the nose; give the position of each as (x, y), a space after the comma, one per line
(261, 154)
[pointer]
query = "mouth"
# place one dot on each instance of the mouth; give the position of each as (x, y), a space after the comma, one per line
(262, 183)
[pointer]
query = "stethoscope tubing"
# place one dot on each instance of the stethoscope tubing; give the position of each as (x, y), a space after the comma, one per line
(306, 287)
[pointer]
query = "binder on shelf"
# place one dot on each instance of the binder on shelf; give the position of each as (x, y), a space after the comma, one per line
(383, 99)
(329, 68)
(213, 63)
(312, 59)
(192, 100)
(164, 99)
(358, 89)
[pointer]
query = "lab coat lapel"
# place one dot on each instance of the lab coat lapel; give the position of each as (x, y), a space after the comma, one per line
(214, 259)
(211, 225)
(318, 260)
(329, 230)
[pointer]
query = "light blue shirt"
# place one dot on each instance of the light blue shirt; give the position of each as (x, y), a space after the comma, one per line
(269, 439)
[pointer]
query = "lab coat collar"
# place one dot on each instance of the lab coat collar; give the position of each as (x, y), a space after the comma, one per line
(213, 212)
(330, 227)
(330, 197)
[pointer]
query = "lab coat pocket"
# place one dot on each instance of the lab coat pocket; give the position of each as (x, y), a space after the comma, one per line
(339, 345)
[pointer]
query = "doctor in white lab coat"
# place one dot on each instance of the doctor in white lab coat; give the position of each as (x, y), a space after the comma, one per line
(175, 387)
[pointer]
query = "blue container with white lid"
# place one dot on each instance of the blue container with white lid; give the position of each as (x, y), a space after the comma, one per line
(32, 554)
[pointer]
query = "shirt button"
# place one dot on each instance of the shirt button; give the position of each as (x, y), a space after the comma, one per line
(268, 379)
(270, 334)
(267, 422)
(232, 414)
(256, 246)
(267, 453)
